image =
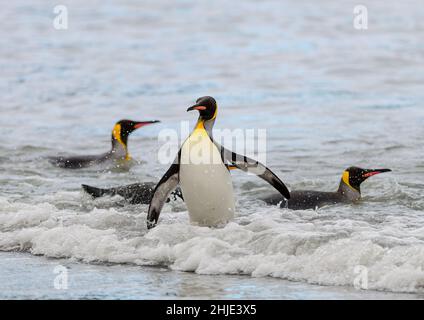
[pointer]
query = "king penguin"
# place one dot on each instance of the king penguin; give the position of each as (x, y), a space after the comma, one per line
(349, 191)
(117, 155)
(202, 170)
(136, 193)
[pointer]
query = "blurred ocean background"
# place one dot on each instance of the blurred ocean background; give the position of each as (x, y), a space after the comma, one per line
(330, 96)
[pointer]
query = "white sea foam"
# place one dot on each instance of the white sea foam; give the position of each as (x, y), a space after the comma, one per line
(271, 66)
(300, 246)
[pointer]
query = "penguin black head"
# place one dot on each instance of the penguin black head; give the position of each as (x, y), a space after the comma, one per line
(207, 108)
(123, 128)
(354, 176)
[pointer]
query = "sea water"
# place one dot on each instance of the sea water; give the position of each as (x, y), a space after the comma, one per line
(328, 95)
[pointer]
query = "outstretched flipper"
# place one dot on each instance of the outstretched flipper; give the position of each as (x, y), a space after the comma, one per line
(247, 164)
(165, 186)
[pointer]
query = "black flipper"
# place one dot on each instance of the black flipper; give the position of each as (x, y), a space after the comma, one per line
(165, 186)
(252, 166)
(95, 192)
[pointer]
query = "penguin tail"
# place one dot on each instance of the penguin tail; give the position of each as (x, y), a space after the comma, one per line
(94, 192)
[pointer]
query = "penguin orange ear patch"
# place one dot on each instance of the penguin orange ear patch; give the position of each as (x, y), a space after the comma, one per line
(117, 134)
(345, 179)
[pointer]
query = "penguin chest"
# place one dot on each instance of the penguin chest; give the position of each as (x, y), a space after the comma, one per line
(205, 181)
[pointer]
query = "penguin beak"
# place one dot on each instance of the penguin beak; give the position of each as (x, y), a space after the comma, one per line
(196, 107)
(373, 172)
(140, 124)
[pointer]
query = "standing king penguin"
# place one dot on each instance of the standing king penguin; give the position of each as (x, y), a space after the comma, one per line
(202, 170)
(117, 155)
(349, 192)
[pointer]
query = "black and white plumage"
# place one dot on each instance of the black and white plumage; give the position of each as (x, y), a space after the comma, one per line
(136, 193)
(349, 191)
(201, 168)
(118, 155)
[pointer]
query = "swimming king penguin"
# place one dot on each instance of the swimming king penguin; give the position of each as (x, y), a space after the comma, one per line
(118, 153)
(202, 170)
(136, 193)
(349, 191)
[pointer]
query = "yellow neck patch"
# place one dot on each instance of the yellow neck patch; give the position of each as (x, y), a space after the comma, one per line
(345, 179)
(117, 135)
(199, 130)
(200, 125)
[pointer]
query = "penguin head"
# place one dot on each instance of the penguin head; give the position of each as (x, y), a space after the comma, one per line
(207, 108)
(354, 176)
(123, 129)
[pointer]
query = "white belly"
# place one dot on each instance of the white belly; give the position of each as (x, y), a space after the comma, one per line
(205, 182)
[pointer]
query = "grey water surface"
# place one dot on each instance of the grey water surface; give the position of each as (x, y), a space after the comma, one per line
(328, 96)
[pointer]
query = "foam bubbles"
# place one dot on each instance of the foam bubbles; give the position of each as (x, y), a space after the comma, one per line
(293, 245)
